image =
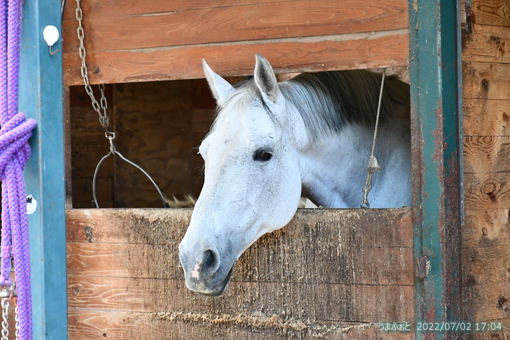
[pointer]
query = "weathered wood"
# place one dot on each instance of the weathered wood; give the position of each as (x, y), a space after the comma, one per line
(484, 117)
(487, 44)
(491, 12)
(486, 228)
(365, 50)
(489, 303)
(486, 80)
(484, 265)
(91, 325)
(296, 299)
(486, 154)
(487, 191)
(124, 262)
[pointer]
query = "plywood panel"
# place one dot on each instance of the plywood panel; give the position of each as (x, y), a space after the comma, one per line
(327, 270)
(289, 55)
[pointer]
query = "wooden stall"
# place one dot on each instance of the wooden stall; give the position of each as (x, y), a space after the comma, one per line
(332, 274)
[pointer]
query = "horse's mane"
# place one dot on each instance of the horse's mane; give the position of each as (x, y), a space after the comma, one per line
(328, 101)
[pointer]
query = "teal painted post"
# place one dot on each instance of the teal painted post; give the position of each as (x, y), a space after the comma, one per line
(41, 98)
(436, 96)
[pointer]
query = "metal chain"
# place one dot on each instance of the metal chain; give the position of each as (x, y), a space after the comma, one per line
(101, 106)
(373, 165)
(16, 321)
(4, 295)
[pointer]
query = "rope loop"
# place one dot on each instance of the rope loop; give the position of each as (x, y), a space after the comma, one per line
(14, 137)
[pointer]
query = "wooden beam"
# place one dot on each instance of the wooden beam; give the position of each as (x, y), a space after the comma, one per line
(364, 50)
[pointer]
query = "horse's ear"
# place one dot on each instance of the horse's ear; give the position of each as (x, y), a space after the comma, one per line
(265, 78)
(220, 88)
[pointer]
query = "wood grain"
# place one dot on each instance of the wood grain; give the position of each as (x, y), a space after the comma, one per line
(306, 300)
(484, 265)
(486, 80)
(488, 303)
(221, 24)
(487, 44)
(124, 262)
(90, 325)
(286, 56)
(486, 154)
(486, 228)
(484, 117)
(491, 12)
(487, 191)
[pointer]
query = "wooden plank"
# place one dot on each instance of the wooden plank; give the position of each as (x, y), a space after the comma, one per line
(483, 265)
(486, 154)
(287, 56)
(486, 80)
(125, 262)
(367, 228)
(348, 255)
(91, 325)
(277, 20)
(487, 191)
(491, 12)
(342, 265)
(484, 117)
(325, 302)
(488, 303)
(486, 44)
(486, 228)
(112, 8)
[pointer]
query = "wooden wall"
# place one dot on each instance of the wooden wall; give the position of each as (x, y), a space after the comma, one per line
(158, 125)
(125, 281)
(131, 41)
(486, 235)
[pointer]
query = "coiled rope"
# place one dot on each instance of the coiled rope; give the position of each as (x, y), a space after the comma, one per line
(14, 153)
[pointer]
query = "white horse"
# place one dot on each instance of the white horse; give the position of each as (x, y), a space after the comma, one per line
(272, 142)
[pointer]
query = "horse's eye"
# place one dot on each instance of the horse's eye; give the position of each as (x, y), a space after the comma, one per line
(262, 155)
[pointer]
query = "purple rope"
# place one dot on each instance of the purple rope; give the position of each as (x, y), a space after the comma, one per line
(14, 153)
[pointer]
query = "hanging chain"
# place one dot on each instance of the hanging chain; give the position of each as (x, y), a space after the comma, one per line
(4, 304)
(373, 165)
(101, 106)
(16, 320)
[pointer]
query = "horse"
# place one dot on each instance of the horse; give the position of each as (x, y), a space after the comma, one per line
(272, 142)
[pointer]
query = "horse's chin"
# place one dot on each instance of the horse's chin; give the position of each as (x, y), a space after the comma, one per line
(218, 290)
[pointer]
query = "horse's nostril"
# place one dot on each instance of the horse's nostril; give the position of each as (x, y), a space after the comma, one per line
(209, 261)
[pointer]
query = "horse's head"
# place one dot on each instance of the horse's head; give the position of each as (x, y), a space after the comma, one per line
(252, 179)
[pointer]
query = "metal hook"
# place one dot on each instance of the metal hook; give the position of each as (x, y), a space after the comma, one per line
(53, 52)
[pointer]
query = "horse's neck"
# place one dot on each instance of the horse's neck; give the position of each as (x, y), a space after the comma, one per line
(334, 169)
